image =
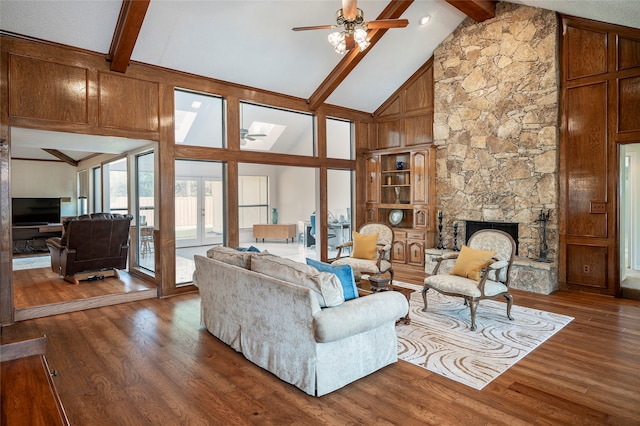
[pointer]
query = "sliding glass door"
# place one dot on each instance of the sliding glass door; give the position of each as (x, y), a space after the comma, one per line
(145, 207)
(199, 212)
(199, 215)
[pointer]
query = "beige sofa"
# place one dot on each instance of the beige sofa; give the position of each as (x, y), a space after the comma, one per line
(279, 324)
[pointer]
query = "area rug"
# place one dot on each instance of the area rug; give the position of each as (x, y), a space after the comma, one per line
(20, 263)
(441, 340)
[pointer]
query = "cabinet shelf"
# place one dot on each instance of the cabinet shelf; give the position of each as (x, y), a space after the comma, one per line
(395, 171)
(402, 206)
(393, 185)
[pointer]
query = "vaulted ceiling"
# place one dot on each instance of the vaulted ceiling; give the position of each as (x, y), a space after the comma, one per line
(251, 42)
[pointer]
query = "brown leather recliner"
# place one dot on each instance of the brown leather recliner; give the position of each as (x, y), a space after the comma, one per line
(91, 246)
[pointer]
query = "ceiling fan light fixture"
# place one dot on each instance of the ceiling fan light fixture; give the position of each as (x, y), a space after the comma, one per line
(336, 39)
(360, 37)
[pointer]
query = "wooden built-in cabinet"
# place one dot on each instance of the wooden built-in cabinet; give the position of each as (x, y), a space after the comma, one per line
(403, 179)
(600, 114)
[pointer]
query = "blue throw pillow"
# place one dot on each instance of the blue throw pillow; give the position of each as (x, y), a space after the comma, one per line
(344, 274)
(250, 249)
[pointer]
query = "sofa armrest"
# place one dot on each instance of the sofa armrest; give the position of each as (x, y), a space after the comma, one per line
(359, 315)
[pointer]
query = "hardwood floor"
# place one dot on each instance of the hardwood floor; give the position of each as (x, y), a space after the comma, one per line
(150, 362)
(40, 292)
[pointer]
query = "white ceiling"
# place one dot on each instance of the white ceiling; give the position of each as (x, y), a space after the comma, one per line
(251, 42)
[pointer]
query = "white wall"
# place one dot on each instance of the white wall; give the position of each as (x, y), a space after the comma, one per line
(51, 179)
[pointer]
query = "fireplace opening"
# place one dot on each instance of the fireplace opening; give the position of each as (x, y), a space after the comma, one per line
(510, 228)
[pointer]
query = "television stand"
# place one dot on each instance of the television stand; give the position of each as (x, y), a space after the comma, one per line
(32, 238)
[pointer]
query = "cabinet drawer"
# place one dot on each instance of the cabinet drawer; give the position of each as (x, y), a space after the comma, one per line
(413, 235)
(399, 235)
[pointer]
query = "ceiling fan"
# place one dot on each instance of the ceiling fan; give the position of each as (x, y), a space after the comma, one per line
(353, 27)
(246, 136)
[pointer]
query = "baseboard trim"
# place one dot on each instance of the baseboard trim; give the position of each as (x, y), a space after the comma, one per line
(81, 305)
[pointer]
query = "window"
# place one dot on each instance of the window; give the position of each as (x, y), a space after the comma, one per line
(275, 130)
(96, 185)
(199, 119)
(339, 140)
(253, 200)
(115, 186)
(145, 188)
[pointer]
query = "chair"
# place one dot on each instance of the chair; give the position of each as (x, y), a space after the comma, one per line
(492, 276)
(382, 262)
(330, 235)
(92, 245)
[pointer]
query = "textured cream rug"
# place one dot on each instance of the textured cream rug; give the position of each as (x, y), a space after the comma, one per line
(43, 261)
(441, 341)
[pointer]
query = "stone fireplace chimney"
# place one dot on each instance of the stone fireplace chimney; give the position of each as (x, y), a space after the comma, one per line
(496, 88)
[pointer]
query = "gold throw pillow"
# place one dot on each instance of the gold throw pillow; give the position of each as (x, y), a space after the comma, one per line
(364, 245)
(471, 261)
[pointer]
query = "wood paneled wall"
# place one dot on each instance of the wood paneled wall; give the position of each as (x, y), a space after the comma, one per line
(53, 87)
(406, 118)
(600, 110)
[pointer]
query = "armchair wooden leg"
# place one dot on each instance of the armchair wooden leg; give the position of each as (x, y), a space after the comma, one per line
(473, 304)
(509, 304)
(424, 297)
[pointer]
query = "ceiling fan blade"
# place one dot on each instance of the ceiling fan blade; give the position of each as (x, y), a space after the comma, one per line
(349, 8)
(387, 23)
(350, 42)
(317, 27)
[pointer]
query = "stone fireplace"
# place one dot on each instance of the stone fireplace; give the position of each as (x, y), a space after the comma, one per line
(495, 123)
(472, 226)
(496, 89)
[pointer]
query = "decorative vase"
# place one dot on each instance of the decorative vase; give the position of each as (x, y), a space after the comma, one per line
(274, 216)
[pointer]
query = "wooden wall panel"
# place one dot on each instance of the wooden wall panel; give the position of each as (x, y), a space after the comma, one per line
(419, 129)
(390, 134)
(587, 266)
(128, 103)
(587, 52)
(419, 95)
(587, 159)
(629, 104)
(392, 108)
(628, 53)
(47, 90)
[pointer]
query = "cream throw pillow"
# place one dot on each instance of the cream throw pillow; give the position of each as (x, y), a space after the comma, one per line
(471, 261)
(364, 246)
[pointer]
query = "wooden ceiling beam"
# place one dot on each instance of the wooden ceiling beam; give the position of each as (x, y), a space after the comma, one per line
(132, 15)
(478, 10)
(59, 155)
(394, 10)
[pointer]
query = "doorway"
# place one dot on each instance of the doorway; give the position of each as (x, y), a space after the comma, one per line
(37, 290)
(199, 214)
(630, 221)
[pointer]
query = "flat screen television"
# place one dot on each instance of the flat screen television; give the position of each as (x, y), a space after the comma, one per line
(35, 211)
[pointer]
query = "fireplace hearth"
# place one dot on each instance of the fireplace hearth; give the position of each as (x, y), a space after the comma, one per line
(510, 228)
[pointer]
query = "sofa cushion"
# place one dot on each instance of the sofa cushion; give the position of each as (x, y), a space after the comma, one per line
(230, 256)
(344, 274)
(325, 285)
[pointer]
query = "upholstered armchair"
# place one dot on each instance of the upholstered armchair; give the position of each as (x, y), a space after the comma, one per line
(370, 251)
(92, 245)
(481, 271)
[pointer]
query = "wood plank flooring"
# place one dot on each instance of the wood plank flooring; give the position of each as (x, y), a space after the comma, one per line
(42, 286)
(150, 362)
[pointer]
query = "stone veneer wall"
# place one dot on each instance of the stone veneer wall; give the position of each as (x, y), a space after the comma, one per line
(496, 87)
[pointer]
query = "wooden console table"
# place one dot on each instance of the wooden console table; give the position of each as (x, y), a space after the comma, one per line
(278, 231)
(31, 238)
